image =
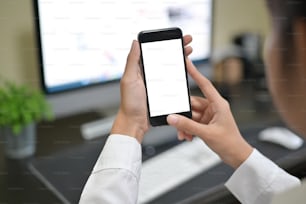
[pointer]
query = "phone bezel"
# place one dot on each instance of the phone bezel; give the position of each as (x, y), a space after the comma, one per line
(160, 35)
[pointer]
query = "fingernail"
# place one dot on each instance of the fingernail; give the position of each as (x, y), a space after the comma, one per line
(172, 119)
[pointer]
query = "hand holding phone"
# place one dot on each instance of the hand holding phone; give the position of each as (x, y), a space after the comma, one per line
(165, 75)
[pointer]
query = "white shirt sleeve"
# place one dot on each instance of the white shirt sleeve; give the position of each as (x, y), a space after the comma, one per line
(258, 179)
(115, 177)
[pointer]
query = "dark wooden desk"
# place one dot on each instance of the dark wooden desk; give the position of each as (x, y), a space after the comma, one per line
(65, 160)
(17, 183)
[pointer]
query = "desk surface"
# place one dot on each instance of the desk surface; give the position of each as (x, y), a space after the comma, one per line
(64, 160)
(67, 170)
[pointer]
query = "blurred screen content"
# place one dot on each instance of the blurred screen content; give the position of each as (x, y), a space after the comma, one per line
(86, 42)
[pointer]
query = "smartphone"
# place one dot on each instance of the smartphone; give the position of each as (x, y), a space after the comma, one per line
(165, 75)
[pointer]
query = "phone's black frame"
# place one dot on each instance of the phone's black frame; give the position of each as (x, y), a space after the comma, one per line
(160, 35)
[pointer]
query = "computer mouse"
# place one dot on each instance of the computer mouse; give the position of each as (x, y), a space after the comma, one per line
(281, 136)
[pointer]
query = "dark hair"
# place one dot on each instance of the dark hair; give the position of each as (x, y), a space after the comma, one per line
(283, 15)
(285, 12)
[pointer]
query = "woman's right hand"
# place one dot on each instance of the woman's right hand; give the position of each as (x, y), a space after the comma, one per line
(213, 122)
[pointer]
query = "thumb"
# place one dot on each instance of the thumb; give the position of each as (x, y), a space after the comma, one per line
(187, 125)
(132, 64)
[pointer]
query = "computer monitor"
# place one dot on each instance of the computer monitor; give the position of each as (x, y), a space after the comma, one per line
(83, 45)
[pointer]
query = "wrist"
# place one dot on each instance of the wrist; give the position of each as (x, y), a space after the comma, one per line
(236, 158)
(128, 126)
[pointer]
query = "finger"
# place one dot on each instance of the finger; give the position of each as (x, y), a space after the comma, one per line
(188, 137)
(206, 117)
(196, 116)
(188, 50)
(132, 63)
(187, 39)
(204, 84)
(187, 125)
(180, 135)
(199, 103)
(203, 117)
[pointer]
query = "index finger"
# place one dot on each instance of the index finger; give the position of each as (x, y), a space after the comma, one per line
(204, 84)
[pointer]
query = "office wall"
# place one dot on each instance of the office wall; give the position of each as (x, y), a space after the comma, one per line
(236, 16)
(18, 59)
(17, 44)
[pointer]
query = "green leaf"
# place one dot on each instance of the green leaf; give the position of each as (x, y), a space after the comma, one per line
(20, 105)
(16, 129)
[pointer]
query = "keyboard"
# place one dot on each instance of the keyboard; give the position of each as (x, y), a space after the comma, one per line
(173, 167)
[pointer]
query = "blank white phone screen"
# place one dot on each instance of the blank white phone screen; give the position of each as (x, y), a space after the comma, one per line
(165, 77)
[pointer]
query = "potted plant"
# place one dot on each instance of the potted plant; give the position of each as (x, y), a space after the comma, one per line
(20, 108)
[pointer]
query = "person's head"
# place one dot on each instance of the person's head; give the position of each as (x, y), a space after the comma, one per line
(285, 60)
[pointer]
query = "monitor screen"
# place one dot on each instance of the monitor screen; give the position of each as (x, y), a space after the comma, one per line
(83, 43)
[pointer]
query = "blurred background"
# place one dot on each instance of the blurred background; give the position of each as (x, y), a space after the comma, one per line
(18, 59)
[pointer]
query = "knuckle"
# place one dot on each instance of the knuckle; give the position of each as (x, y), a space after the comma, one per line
(123, 81)
(207, 82)
(226, 104)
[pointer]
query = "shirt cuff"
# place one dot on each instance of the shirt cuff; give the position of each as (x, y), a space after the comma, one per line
(120, 152)
(257, 179)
